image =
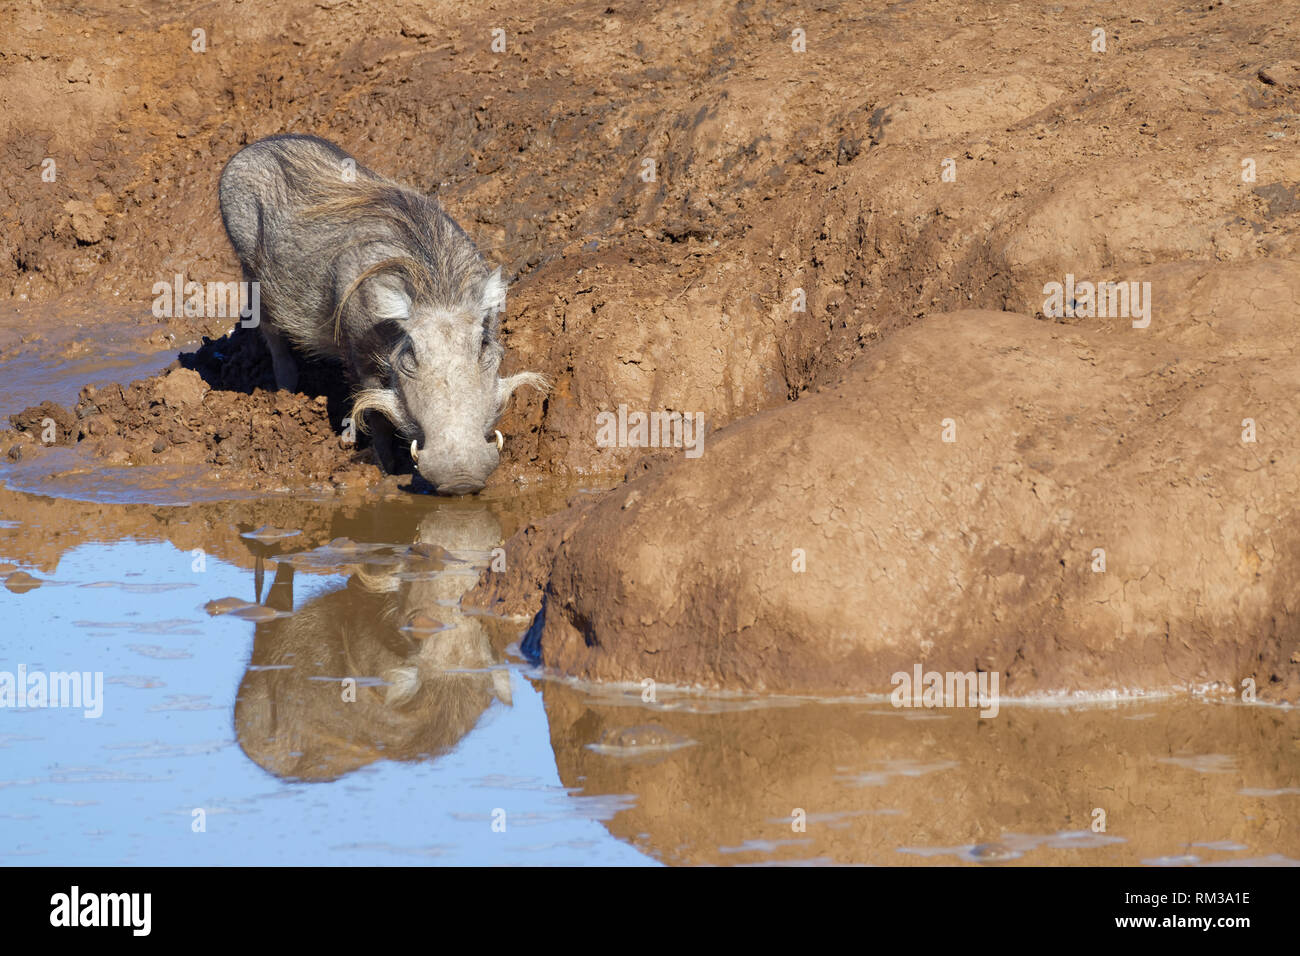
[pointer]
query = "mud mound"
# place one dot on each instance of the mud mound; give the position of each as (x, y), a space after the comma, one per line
(51, 422)
(1075, 510)
(215, 407)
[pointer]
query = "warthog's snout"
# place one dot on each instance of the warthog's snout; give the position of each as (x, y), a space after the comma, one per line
(464, 486)
(453, 473)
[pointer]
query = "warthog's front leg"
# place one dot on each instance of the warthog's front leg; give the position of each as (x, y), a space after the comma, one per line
(282, 360)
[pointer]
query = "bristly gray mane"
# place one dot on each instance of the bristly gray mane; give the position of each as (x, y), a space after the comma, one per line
(443, 267)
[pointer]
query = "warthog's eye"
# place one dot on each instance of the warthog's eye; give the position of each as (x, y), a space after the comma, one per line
(405, 362)
(489, 350)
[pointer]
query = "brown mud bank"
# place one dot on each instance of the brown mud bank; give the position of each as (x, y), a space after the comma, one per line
(988, 149)
(216, 408)
(1072, 509)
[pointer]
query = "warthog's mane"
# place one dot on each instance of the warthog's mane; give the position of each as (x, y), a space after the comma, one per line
(440, 265)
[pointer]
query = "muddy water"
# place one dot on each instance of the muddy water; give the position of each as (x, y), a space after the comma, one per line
(33, 379)
(47, 357)
(293, 680)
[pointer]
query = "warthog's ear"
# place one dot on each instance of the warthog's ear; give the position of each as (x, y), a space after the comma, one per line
(492, 294)
(390, 298)
(506, 386)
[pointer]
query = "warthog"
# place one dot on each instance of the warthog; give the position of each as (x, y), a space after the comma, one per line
(432, 685)
(354, 267)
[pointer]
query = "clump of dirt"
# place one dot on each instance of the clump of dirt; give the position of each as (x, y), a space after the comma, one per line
(54, 423)
(217, 406)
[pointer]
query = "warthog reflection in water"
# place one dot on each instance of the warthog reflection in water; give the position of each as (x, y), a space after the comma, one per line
(419, 688)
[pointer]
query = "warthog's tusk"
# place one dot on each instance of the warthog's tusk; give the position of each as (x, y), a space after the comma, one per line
(501, 440)
(415, 455)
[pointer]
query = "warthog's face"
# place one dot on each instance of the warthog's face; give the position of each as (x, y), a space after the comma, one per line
(444, 393)
(445, 377)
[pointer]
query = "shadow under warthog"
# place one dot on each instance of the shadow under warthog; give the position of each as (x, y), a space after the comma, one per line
(424, 672)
